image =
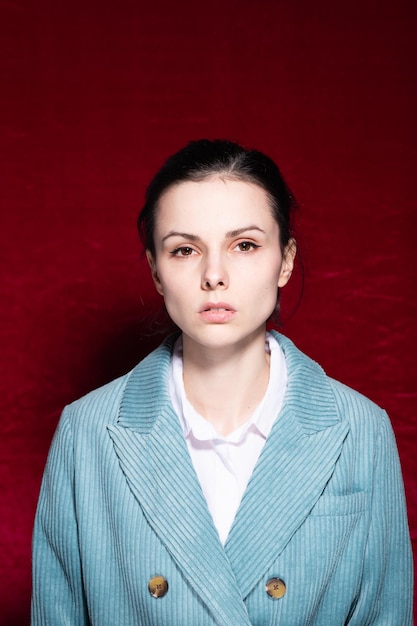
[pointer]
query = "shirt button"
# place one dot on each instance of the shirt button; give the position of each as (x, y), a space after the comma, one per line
(275, 588)
(158, 586)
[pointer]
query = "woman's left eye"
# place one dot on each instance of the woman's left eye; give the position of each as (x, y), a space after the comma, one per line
(246, 246)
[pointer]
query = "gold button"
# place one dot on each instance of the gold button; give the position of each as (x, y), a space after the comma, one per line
(275, 588)
(158, 586)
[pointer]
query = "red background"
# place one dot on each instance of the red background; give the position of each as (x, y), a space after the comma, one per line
(94, 96)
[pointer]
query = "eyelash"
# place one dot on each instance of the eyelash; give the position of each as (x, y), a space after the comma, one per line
(252, 246)
(189, 251)
(177, 251)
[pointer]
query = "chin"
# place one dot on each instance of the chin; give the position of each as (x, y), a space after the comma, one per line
(223, 336)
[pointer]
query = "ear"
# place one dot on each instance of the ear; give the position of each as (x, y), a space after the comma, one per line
(287, 262)
(152, 265)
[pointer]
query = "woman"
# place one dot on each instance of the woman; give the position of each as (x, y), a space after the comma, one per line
(226, 480)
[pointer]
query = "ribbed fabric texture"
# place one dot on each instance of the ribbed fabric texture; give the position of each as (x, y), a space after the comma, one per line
(120, 503)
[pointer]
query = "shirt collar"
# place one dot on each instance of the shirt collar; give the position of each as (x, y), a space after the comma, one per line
(262, 418)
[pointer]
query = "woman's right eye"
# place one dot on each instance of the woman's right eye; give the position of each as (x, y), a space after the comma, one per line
(182, 251)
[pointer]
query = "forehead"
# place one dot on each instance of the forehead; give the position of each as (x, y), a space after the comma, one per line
(216, 200)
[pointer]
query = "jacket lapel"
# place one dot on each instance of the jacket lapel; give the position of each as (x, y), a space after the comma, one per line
(153, 455)
(294, 467)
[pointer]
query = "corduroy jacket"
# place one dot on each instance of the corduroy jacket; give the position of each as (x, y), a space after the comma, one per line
(323, 512)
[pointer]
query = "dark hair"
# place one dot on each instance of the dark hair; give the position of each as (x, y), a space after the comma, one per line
(205, 158)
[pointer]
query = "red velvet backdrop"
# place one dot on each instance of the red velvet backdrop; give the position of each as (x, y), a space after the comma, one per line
(94, 95)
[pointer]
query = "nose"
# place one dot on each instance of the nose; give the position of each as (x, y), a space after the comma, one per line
(214, 274)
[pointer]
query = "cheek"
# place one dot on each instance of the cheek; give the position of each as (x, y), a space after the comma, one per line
(178, 279)
(271, 273)
(171, 281)
(175, 294)
(265, 294)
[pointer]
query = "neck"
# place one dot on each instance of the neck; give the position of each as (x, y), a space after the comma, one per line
(226, 385)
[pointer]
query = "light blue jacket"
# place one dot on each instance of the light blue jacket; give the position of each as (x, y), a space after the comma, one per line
(324, 512)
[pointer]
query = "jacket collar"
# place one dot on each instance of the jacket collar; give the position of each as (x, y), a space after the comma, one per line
(291, 473)
(309, 394)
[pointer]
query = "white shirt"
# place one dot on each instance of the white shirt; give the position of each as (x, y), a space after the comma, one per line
(224, 464)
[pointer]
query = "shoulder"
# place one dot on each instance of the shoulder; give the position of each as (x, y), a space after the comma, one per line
(368, 422)
(102, 405)
(352, 401)
(311, 385)
(102, 401)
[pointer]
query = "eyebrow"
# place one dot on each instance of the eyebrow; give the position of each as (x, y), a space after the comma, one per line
(240, 231)
(229, 234)
(175, 233)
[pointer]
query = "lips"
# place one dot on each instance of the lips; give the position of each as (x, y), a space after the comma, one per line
(217, 313)
(216, 306)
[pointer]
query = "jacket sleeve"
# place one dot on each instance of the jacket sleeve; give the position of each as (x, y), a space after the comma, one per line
(385, 596)
(57, 595)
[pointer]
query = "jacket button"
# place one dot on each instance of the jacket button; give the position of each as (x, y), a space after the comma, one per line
(275, 588)
(158, 586)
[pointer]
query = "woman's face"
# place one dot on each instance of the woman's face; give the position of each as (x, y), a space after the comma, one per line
(218, 261)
